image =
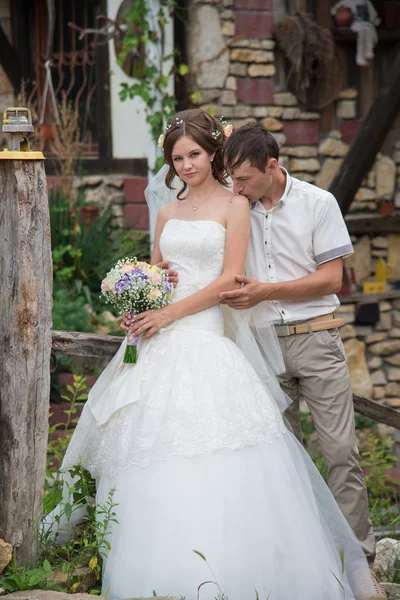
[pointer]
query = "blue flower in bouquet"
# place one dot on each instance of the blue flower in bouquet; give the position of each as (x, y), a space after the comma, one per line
(138, 274)
(123, 284)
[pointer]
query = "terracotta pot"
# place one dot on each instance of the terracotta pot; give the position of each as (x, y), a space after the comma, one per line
(386, 208)
(46, 132)
(89, 213)
(343, 17)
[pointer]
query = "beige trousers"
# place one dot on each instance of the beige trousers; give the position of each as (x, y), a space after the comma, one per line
(316, 371)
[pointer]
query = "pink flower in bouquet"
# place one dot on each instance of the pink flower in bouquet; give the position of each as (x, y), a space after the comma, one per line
(154, 277)
(126, 269)
(104, 285)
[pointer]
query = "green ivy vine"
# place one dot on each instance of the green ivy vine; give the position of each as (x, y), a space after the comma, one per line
(151, 83)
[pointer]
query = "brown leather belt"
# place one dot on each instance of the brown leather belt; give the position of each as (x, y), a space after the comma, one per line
(317, 324)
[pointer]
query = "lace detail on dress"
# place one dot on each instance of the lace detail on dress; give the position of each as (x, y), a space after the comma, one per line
(197, 390)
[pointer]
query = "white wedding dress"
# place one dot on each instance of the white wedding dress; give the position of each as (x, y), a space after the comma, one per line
(200, 458)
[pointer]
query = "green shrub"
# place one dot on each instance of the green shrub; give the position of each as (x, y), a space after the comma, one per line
(84, 252)
(69, 311)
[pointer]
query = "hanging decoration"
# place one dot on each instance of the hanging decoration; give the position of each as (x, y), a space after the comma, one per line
(314, 75)
(361, 17)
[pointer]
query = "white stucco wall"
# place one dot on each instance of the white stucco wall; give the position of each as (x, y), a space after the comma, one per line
(129, 129)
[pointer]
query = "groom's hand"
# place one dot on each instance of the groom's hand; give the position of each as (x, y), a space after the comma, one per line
(251, 293)
(173, 276)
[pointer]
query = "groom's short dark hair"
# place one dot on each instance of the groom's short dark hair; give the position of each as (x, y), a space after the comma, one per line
(250, 143)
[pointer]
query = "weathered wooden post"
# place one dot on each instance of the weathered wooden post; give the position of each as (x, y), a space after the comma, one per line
(25, 336)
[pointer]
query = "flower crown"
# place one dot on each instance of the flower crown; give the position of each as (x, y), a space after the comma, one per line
(227, 130)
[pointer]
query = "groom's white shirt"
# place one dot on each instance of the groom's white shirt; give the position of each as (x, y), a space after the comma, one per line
(303, 230)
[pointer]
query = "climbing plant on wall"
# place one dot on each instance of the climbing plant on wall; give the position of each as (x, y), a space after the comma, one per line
(154, 65)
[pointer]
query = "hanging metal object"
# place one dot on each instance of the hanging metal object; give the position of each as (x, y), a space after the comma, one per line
(17, 121)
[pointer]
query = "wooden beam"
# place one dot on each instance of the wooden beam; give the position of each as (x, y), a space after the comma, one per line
(22, 18)
(369, 139)
(75, 343)
(378, 412)
(103, 102)
(9, 61)
(25, 346)
(324, 19)
(105, 346)
(360, 298)
(376, 224)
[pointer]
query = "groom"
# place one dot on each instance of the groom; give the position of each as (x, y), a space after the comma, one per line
(298, 242)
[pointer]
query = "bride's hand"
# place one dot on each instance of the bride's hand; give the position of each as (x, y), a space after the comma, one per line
(126, 322)
(150, 321)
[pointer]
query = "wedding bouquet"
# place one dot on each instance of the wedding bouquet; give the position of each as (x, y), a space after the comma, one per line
(134, 287)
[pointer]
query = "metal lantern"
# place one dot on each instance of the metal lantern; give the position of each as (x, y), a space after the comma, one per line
(17, 121)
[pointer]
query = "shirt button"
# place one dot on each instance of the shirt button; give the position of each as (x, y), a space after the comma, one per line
(283, 312)
(266, 216)
(265, 242)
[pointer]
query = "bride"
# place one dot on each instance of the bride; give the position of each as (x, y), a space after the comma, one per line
(192, 437)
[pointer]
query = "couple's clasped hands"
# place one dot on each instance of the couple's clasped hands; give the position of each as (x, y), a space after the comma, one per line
(251, 293)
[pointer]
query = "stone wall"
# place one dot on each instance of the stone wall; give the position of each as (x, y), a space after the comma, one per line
(247, 83)
(124, 193)
(373, 352)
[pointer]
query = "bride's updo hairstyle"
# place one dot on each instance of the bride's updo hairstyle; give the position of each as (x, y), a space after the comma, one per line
(206, 131)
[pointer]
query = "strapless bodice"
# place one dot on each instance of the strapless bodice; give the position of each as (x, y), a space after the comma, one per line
(195, 249)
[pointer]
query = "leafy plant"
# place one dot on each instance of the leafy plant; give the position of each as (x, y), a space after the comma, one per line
(88, 543)
(83, 252)
(385, 517)
(69, 311)
(145, 37)
(376, 462)
(307, 425)
(20, 578)
(363, 422)
(57, 447)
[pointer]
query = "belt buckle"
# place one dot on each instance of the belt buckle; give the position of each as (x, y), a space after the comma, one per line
(284, 330)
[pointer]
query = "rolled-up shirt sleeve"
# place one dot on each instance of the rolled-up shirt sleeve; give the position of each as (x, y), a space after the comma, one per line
(330, 236)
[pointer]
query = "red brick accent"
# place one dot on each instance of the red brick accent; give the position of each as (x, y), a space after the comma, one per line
(301, 132)
(254, 24)
(134, 190)
(136, 216)
(253, 4)
(349, 129)
(255, 91)
(53, 182)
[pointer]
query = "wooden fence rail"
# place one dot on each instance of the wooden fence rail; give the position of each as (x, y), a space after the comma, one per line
(74, 343)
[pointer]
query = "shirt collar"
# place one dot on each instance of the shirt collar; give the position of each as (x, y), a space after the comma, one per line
(258, 207)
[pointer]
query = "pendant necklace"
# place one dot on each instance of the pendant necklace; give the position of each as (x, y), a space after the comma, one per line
(201, 202)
